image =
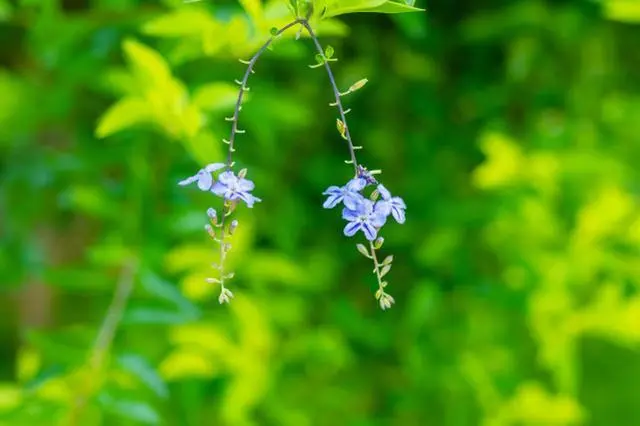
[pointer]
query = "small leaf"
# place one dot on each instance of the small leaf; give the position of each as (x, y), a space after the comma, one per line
(144, 371)
(253, 9)
(273, 31)
(183, 22)
(358, 85)
(293, 5)
(319, 59)
(385, 270)
(147, 64)
(341, 128)
(378, 293)
(341, 7)
(328, 53)
(362, 249)
(125, 113)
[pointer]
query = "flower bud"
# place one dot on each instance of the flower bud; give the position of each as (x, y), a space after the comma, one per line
(378, 243)
(358, 85)
(210, 230)
(233, 226)
(225, 296)
(386, 301)
(213, 216)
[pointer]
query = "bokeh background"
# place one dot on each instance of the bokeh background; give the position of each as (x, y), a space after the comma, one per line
(511, 129)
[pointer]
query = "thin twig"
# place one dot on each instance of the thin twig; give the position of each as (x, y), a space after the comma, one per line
(243, 87)
(114, 315)
(336, 92)
(106, 334)
(377, 267)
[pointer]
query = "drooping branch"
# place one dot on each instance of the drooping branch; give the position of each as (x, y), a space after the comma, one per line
(336, 92)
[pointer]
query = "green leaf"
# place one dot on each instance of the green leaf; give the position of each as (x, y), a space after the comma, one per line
(129, 409)
(329, 52)
(253, 9)
(181, 23)
(623, 10)
(362, 249)
(147, 64)
(394, 7)
(125, 113)
(342, 7)
(144, 371)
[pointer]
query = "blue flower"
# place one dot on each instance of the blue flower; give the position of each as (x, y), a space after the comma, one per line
(391, 205)
(203, 177)
(348, 194)
(233, 188)
(365, 217)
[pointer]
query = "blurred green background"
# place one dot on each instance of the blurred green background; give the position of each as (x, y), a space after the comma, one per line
(510, 128)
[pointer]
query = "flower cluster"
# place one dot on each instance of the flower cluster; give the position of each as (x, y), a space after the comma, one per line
(233, 189)
(368, 215)
(364, 214)
(228, 185)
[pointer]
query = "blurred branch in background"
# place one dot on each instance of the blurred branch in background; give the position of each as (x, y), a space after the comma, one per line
(104, 340)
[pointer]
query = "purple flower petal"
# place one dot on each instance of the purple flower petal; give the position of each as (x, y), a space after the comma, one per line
(384, 192)
(228, 178)
(398, 214)
(204, 180)
(219, 189)
(210, 168)
(356, 184)
(245, 185)
(378, 219)
(365, 206)
(352, 200)
(332, 201)
(370, 232)
(188, 180)
(349, 215)
(332, 190)
(383, 207)
(352, 228)
(399, 202)
(251, 200)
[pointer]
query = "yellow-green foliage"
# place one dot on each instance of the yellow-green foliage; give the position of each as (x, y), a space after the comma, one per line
(511, 129)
